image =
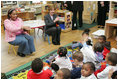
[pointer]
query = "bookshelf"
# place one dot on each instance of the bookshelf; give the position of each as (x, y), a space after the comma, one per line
(113, 10)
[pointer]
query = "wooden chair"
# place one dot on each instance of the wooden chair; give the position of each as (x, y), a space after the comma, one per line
(12, 47)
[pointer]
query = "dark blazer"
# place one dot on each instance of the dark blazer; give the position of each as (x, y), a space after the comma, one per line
(77, 6)
(69, 5)
(105, 8)
(49, 22)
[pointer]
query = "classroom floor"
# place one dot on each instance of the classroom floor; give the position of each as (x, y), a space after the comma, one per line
(10, 61)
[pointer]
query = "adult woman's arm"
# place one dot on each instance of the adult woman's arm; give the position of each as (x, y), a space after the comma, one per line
(48, 24)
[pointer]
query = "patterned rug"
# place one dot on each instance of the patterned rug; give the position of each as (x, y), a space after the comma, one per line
(21, 72)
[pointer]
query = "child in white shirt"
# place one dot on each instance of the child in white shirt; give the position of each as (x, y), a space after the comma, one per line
(111, 60)
(87, 71)
(62, 60)
(93, 54)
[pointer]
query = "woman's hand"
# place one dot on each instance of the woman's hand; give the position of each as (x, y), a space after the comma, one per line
(56, 19)
(26, 28)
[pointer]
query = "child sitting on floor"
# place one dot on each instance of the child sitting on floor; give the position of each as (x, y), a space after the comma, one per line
(63, 73)
(111, 60)
(78, 62)
(54, 68)
(85, 37)
(112, 74)
(62, 60)
(106, 44)
(37, 71)
(93, 54)
(98, 49)
(87, 71)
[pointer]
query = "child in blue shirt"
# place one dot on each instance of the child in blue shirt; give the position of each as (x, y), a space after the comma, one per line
(78, 62)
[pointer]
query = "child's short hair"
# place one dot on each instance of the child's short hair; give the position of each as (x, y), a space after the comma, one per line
(78, 55)
(66, 73)
(89, 42)
(55, 67)
(114, 75)
(92, 66)
(112, 57)
(86, 31)
(98, 47)
(103, 37)
(37, 65)
(62, 51)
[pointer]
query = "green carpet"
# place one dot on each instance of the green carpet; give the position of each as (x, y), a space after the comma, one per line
(27, 65)
(85, 26)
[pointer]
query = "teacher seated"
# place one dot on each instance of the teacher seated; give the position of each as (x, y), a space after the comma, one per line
(51, 21)
(15, 34)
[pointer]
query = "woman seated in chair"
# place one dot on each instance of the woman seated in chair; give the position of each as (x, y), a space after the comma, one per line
(15, 34)
(51, 21)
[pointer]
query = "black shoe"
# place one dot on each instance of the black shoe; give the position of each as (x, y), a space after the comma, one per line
(74, 28)
(58, 43)
(102, 27)
(98, 26)
(21, 54)
(54, 43)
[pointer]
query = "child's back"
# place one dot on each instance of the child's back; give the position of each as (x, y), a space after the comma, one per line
(104, 73)
(62, 60)
(37, 71)
(44, 74)
(89, 55)
(111, 60)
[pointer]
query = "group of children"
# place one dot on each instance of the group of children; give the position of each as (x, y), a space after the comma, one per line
(89, 62)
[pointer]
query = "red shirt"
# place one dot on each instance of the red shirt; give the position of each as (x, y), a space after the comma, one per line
(105, 52)
(103, 66)
(46, 74)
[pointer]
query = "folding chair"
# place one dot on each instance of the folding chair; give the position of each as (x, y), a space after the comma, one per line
(13, 48)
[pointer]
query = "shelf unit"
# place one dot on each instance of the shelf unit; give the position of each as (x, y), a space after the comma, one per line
(66, 18)
(6, 3)
(113, 10)
(36, 8)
